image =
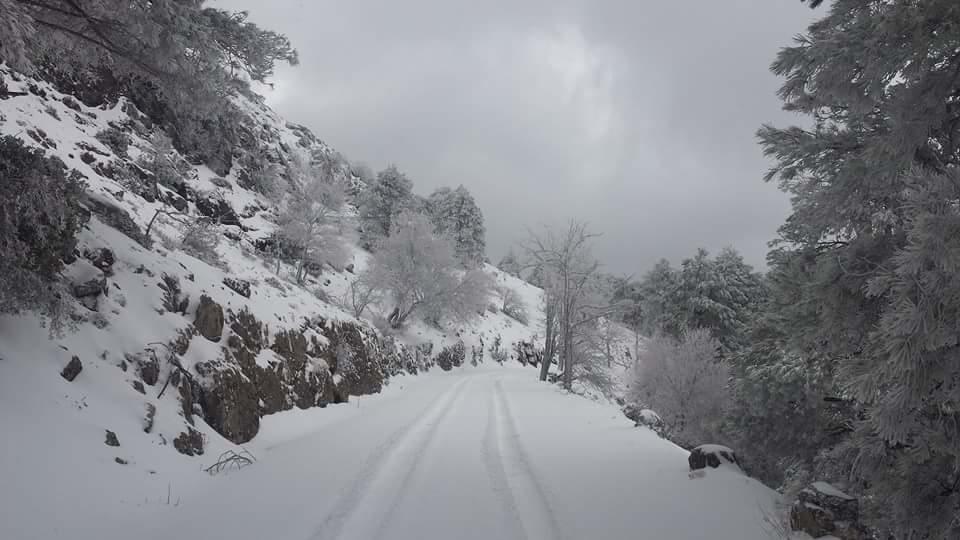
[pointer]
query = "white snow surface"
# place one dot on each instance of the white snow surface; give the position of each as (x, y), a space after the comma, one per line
(484, 452)
(480, 453)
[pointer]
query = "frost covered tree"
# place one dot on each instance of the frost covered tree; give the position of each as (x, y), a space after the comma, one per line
(573, 293)
(510, 264)
(685, 381)
(176, 60)
(720, 294)
(870, 248)
(455, 214)
(419, 272)
(314, 199)
(382, 202)
(40, 216)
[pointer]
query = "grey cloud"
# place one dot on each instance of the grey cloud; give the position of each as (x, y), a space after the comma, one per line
(638, 117)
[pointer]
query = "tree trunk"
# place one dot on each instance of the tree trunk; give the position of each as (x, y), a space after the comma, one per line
(549, 340)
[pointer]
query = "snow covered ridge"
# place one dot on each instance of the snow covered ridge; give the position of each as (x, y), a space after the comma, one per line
(187, 349)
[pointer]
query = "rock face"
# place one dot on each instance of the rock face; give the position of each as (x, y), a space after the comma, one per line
(711, 455)
(72, 369)
(189, 443)
(209, 321)
(823, 510)
(230, 406)
(321, 363)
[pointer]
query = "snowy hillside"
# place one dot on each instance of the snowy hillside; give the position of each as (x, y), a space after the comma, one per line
(182, 354)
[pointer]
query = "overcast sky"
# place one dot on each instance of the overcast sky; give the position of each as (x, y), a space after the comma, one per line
(635, 116)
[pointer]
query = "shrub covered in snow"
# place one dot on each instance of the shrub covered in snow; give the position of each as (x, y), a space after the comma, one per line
(40, 215)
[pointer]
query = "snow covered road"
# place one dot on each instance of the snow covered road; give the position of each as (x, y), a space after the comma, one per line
(484, 453)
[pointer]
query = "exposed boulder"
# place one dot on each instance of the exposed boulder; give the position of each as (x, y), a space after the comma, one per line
(149, 415)
(823, 510)
(94, 287)
(149, 368)
(218, 210)
(353, 357)
(209, 319)
(189, 443)
(72, 369)
(643, 417)
(111, 439)
(239, 286)
(231, 405)
(711, 455)
(101, 258)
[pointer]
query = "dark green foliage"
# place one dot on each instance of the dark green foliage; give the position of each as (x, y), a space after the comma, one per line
(718, 294)
(866, 283)
(455, 214)
(39, 219)
(382, 201)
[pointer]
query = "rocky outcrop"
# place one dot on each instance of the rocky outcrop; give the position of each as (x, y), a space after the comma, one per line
(823, 510)
(102, 258)
(209, 319)
(189, 443)
(88, 292)
(711, 455)
(230, 404)
(320, 363)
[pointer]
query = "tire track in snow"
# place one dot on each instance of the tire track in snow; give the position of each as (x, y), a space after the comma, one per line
(496, 471)
(378, 477)
(529, 497)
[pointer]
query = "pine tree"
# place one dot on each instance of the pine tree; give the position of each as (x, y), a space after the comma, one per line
(455, 214)
(870, 246)
(382, 201)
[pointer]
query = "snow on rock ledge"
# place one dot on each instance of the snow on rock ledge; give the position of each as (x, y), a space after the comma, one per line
(711, 455)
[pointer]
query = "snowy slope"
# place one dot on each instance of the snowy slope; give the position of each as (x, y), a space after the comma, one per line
(57, 472)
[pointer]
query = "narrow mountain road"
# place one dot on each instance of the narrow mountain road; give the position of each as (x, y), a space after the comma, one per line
(485, 453)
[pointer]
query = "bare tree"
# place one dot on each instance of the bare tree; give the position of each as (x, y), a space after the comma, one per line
(361, 293)
(569, 276)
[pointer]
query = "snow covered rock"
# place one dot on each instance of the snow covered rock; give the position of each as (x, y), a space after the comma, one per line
(823, 510)
(711, 455)
(111, 439)
(209, 321)
(230, 405)
(72, 369)
(189, 443)
(102, 258)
